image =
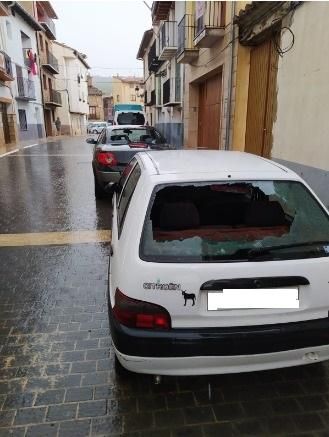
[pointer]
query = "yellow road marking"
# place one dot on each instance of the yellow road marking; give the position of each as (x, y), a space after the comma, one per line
(55, 238)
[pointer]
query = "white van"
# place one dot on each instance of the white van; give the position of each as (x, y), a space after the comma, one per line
(129, 117)
(219, 264)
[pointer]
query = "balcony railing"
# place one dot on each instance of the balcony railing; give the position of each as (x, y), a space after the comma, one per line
(186, 32)
(49, 61)
(153, 60)
(167, 40)
(211, 25)
(171, 92)
(212, 16)
(6, 72)
(25, 89)
(49, 26)
(53, 97)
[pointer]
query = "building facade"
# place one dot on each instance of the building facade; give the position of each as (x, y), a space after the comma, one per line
(72, 84)
(282, 99)
(95, 102)
(21, 98)
(188, 58)
(129, 89)
(49, 70)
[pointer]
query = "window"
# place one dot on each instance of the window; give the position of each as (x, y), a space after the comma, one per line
(131, 85)
(135, 118)
(234, 222)
(118, 136)
(133, 98)
(118, 98)
(8, 29)
(22, 119)
(126, 195)
(41, 42)
(92, 111)
(44, 81)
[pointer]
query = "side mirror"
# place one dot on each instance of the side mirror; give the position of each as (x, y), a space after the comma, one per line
(150, 141)
(91, 141)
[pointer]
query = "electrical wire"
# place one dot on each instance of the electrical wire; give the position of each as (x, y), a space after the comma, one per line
(278, 36)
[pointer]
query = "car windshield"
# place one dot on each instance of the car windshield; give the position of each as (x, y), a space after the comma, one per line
(134, 135)
(236, 221)
(131, 118)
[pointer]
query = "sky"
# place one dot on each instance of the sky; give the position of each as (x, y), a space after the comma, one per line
(108, 32)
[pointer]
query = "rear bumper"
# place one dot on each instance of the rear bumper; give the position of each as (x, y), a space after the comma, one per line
(106, 177)
(205, 365)
(221, 350)
(220, 342)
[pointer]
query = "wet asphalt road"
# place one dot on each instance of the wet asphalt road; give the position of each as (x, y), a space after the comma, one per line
(56, 362)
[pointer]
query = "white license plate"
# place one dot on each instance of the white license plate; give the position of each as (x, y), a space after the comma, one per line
(253, 298)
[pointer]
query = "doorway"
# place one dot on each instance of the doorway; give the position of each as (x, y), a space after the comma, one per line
(261, 99)
(210, 93)
(48, 123)
(5, 123)
(39, 124)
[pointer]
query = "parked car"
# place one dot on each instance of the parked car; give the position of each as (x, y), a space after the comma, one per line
(96, 127)
(115, 147)
(219, 264)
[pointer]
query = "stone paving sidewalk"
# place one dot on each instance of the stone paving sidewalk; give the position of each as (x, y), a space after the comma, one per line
(58, 379)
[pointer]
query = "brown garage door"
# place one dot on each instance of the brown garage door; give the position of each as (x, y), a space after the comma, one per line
(261, 99)
(210, 92)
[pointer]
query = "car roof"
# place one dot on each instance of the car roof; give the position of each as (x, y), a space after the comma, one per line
(200, 162)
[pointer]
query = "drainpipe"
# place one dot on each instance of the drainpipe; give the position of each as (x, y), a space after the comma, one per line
(229, 97)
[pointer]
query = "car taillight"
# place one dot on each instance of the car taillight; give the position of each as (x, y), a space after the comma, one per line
(139, 314)
(106, 158)
(138, 145)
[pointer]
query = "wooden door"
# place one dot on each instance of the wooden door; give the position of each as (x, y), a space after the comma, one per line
(261, 99)
(48, 124)
(210, 92)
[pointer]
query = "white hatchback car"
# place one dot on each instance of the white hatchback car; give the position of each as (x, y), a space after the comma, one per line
(219, 264)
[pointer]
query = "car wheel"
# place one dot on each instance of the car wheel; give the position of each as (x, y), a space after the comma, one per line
(99, 192)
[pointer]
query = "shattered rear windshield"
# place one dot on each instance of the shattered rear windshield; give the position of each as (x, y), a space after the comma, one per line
(236, 221)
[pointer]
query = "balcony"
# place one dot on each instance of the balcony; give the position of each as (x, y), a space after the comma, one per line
(6, 72)
(210, 27)
(153, 61)
(171, 92)
(49, 61)
(151, 101)
(49, 26)
(25, 89)
(186, 51)
(167, 40)
(52, 97)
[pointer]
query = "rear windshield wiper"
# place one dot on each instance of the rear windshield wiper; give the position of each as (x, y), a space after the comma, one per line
(255, 252)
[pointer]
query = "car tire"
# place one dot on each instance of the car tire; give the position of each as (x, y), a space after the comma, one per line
(99, 192)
